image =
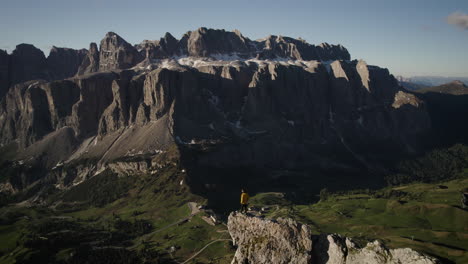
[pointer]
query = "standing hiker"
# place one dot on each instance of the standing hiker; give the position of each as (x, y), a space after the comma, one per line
(244, 201)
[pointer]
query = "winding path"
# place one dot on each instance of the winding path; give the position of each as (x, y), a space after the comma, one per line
(201, 250)
(193, 211)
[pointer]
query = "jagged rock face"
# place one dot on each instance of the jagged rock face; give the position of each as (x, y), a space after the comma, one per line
(284, 47)
(90, 62)
(95, 97)
(327, 52)
(27, 63)
(335, 249)
(286, 241)
(4, 72)
(164, 48)
(25, 113)
(64, 62)
(343, 103)
(265, 241)
(33, 109)
(116, 53)
(204, 42)
(218, 44)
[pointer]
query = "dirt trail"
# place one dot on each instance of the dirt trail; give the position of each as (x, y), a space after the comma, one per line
(193, 211)
(201, 250)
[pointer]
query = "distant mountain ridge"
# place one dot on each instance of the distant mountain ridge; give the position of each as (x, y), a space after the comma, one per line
(419, 82)
(453, 88)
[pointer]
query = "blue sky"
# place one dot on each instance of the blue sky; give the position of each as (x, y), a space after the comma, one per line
(411, 37)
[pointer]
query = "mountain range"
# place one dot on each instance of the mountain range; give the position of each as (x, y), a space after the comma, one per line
(419, 82)
(272, 110)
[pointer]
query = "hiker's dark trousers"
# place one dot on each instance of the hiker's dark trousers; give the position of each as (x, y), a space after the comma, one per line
(243, 208)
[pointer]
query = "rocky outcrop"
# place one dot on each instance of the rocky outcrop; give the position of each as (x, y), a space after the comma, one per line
(64, 62)
(286, 241)
(268, 241)
(333, 248)
(116, 53)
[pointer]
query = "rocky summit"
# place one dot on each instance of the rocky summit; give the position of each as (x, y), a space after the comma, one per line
(284, 241)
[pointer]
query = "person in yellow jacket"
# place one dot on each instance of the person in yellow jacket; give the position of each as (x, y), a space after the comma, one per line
(244, 200)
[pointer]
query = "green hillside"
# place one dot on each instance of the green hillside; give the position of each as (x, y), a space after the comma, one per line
(425, 217)
(152, 218)
(110, 219)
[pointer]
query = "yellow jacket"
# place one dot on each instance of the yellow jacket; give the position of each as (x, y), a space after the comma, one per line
(244, 198)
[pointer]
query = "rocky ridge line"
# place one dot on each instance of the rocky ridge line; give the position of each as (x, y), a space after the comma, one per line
(114, 53)
(27, 63)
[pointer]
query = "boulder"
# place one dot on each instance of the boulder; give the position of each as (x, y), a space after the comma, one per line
(269, 241)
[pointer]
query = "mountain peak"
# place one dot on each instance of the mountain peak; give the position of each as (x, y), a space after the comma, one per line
(116, 53)
(111, 34)
(168, 36)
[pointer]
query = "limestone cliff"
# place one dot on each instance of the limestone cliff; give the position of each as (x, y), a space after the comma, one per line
(266, 114)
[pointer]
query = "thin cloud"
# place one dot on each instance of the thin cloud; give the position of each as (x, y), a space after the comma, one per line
(458, 19)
